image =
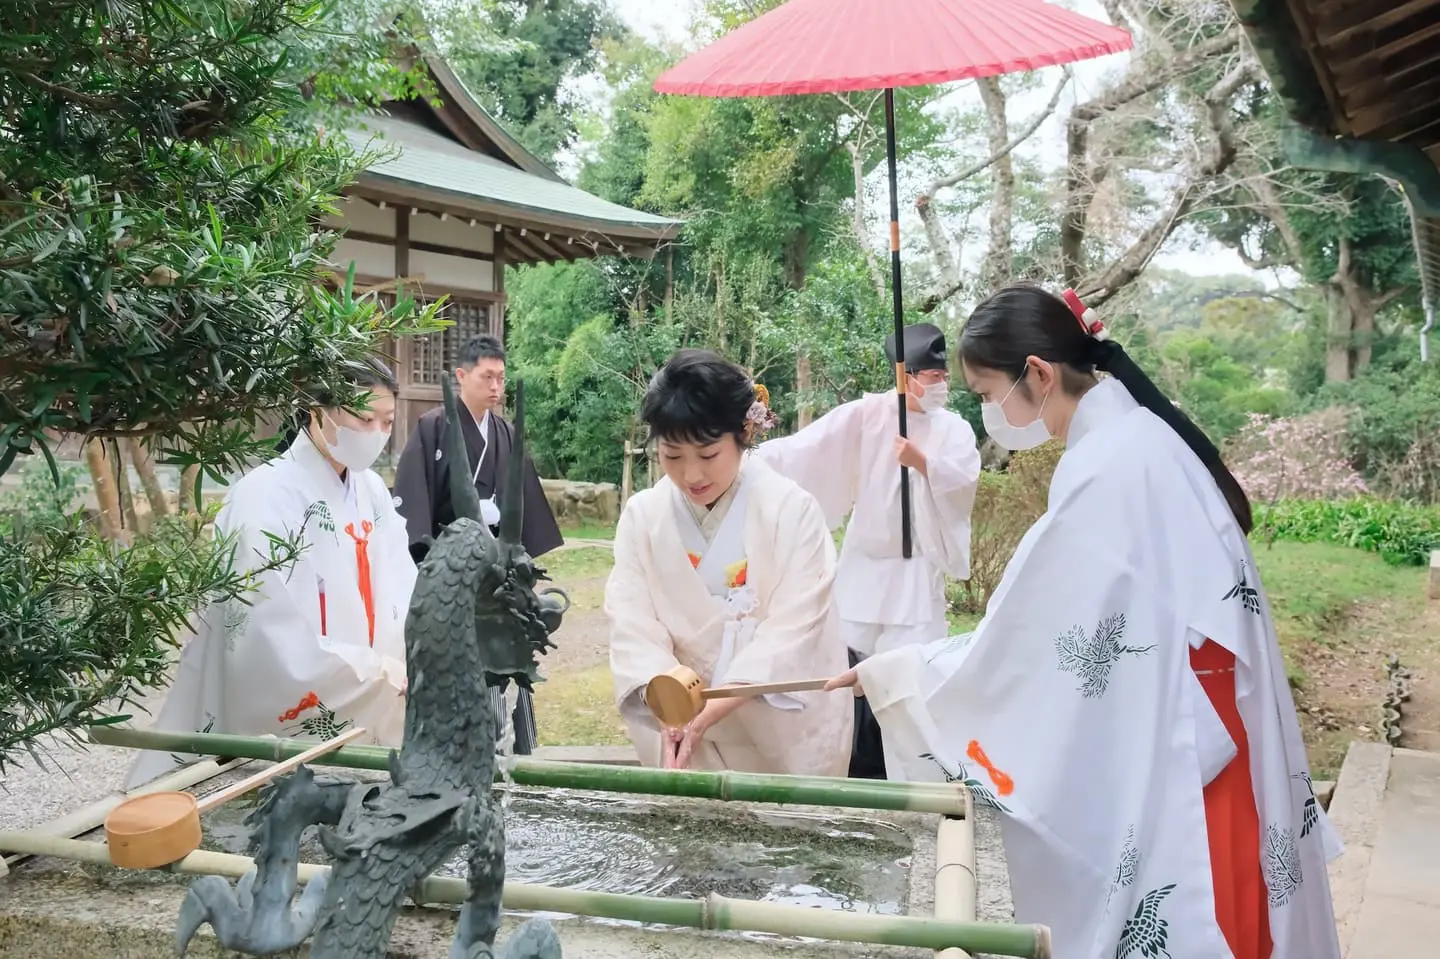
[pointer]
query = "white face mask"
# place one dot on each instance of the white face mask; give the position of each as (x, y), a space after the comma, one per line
(1013, 438)
(935, 397)
(357, 449)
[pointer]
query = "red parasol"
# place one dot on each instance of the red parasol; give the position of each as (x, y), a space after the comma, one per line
(833, 46)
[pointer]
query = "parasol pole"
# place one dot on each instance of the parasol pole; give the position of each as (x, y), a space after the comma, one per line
(900, 387)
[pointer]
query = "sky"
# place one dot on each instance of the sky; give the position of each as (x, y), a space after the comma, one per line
(670, 19)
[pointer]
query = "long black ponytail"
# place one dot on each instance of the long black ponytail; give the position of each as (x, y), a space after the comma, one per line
(1023, 321)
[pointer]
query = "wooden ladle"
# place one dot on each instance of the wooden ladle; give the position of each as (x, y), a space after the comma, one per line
(156, 829)
(678, 696)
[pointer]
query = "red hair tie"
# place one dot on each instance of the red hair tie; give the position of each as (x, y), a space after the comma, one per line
(1089, 320)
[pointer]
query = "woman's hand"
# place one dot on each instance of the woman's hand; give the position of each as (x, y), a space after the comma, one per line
(670, 740)
(850, 678)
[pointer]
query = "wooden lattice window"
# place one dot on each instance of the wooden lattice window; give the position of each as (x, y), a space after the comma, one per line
(430, 356)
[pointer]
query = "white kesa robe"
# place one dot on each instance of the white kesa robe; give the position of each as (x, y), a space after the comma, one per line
(1074, 710)
(285, 661)
(846, 459)
(742, 596)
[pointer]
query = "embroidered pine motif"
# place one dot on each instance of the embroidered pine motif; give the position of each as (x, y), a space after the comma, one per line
(1129, 866)
(320, 512)
(980, 792)
(737, 573)
(1280, 864)
(1146, 934)
(324, 724)
(1248, 595)
(1091, 657)
(1310, 808)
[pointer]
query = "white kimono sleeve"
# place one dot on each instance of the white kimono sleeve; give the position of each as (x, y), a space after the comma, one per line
(276, 663)
(823, 459)
(786, 644)
(640, 645)
(1071, 712)
(944, 499)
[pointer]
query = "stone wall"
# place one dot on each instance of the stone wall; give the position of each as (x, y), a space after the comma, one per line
(576, 504)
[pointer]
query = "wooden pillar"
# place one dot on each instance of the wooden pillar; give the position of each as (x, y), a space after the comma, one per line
(498, 327)
(1434, 575)
(401, 433)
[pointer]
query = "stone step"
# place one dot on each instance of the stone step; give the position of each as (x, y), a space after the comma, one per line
(1399, 912)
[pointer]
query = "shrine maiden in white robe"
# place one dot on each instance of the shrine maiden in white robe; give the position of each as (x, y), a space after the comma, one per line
(300, 656)
(846, 460)
(740, 594)
(1073, 708)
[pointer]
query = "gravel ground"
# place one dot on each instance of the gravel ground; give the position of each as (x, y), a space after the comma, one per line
(73, 775)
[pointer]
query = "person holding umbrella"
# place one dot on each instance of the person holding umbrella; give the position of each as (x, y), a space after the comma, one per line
(1124, 702)
(846, 460)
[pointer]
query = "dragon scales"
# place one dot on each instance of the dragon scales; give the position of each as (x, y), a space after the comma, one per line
(476, 619)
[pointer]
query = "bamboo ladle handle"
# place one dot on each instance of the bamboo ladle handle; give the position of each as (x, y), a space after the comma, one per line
(763, 689)
(279, 769)
(678, 696)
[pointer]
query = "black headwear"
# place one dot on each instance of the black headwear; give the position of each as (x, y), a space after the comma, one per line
(924, 348)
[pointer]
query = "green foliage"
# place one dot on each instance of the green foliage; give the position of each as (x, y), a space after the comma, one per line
(86, 626)
(1006, 505)
(521, 79)
(163, 170)
(1403, 534)
(40, 499)
(160, 274)
(1394, 429)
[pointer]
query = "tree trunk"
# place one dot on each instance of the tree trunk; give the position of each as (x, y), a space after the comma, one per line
(186, 499)
(803, 386)
(999, 254)
(1338, 335)
(106, 495)
(669, 284)
(145, 468)
(116, 454)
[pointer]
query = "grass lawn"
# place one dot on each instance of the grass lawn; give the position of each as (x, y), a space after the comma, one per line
(1339, 613)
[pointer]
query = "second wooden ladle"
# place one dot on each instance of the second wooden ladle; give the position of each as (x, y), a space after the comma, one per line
(156, 829)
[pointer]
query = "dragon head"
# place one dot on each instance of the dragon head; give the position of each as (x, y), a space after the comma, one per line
(513, 620)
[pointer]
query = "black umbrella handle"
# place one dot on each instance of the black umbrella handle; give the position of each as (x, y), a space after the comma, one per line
(898, 303)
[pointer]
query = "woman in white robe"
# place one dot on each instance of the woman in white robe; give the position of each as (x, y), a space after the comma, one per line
(726, 567)
(1124, 702)
(318, 647)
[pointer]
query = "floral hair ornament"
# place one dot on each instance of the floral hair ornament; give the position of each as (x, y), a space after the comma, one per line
(760, 419)
(1090, 321)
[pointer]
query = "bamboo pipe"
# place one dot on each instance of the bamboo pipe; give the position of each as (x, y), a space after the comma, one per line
(714, 912)
(955, 874)
(939, 798)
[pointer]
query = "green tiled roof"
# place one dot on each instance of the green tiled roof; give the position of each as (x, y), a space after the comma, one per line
(430, 160)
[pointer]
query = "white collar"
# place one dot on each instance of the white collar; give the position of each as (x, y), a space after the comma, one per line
(1103, 402)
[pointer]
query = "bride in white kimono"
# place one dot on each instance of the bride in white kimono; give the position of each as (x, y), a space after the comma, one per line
(319, 646)
(1124, 702)
(726, 567)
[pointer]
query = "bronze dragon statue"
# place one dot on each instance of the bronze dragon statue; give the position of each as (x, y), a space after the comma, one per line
(476, 620)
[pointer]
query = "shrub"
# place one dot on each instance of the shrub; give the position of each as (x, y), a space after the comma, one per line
(1006, 505)
(1299, 457)
(1402, 533)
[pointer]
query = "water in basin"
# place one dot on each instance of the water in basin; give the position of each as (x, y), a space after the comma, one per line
(655, 848)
